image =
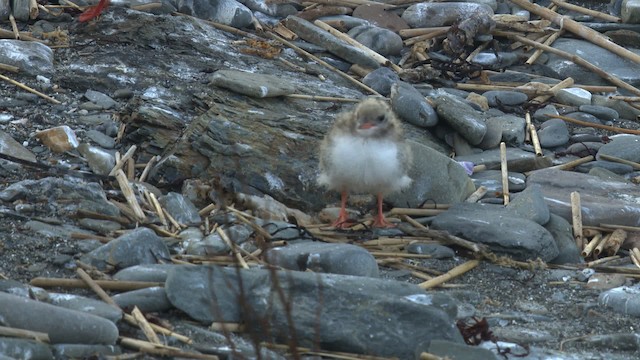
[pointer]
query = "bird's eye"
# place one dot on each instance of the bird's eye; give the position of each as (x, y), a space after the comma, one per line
(380, 118)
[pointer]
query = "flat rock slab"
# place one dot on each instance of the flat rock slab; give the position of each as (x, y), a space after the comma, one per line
(500, 229)
(324, 308)
(603, 201)
(62, 325)
(252, 84)
(345, 259)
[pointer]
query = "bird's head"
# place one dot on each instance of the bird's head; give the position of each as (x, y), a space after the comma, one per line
(373, 118)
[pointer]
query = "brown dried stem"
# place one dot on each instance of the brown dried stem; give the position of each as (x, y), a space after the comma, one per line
(504, 171)
(451, 274)
(580, 9)
(576, 218)
(96, 288)
(143, 324)
(29, 89)
(25, 334)
(115, 285)
(598, 126)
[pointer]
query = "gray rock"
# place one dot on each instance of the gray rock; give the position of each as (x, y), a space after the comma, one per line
(512, 127)
(583, 116)
(103, 101)
(617, 168)
(585, 148)
(100, 226)
(88, 305)
(630, 11)
(15, 348)
(315, 35)
(101, 139)
(623, 300)
(78, 351)
(71, 194)
(153, 299)
(278, 9)
(602, 112)
(317, 303)
(603, 202)
(562, 232)
(606, 174)
(607, 61)
(498, 98)
(252, 84)
(492, 137)
(13, 148)
(517, 160)
(462, 117)
(448, 349)
(529, 204)
(383, 41)
(541, 114)
(227, 12)
(492, 180)
(436, 177)
(411, 106)
(320, 257)
(5, 10)
(31, 57)
(553, 133)
(181, 208)
(442, 14)
(503, 232)
(381, 80)
(625, 110)
(99, 160)
(573, 96)
(436, 251)
(62, 325)
(495, 60)
(146, 272)
(624, 147)
(140, 246)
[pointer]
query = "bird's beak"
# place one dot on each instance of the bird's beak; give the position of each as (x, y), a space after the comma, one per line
(366, 125)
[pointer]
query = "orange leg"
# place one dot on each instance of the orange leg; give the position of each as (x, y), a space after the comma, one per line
(342, 221)
(379, 220)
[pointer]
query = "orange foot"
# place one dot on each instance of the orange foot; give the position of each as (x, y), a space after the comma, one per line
(381, 222)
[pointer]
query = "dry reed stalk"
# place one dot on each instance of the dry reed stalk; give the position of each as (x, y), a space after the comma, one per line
(598, 249)
(409, 33)
(321, 98)
(548, 41)
(14, 27)
(226, 327)
(29, 89)
(25, 334)
(504, 171)
(580, 9)
(580, 61)
(598, 126)
(162, 350)
(121, 160)
(416, 39)
(616, 240)
(568, 82)
(533, 134)
(635, 256)
(634, 165)
(115, 285)
(451, 274)
(310, 56)
(349, 40)
(143, 324)
(93, 285)
(159, 329)
(233, 247)
(416, 212)
(576, 218)
(147, 168)
(578, 29)
(83, 236)
(127, 191)
(588, 249)
(487, 87)
(480, 192)
(602, 261)
(623, 227)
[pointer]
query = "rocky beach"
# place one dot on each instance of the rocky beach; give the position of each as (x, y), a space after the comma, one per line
(158, 193)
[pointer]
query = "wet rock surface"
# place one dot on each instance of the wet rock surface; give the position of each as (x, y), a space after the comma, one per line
(215, 219)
